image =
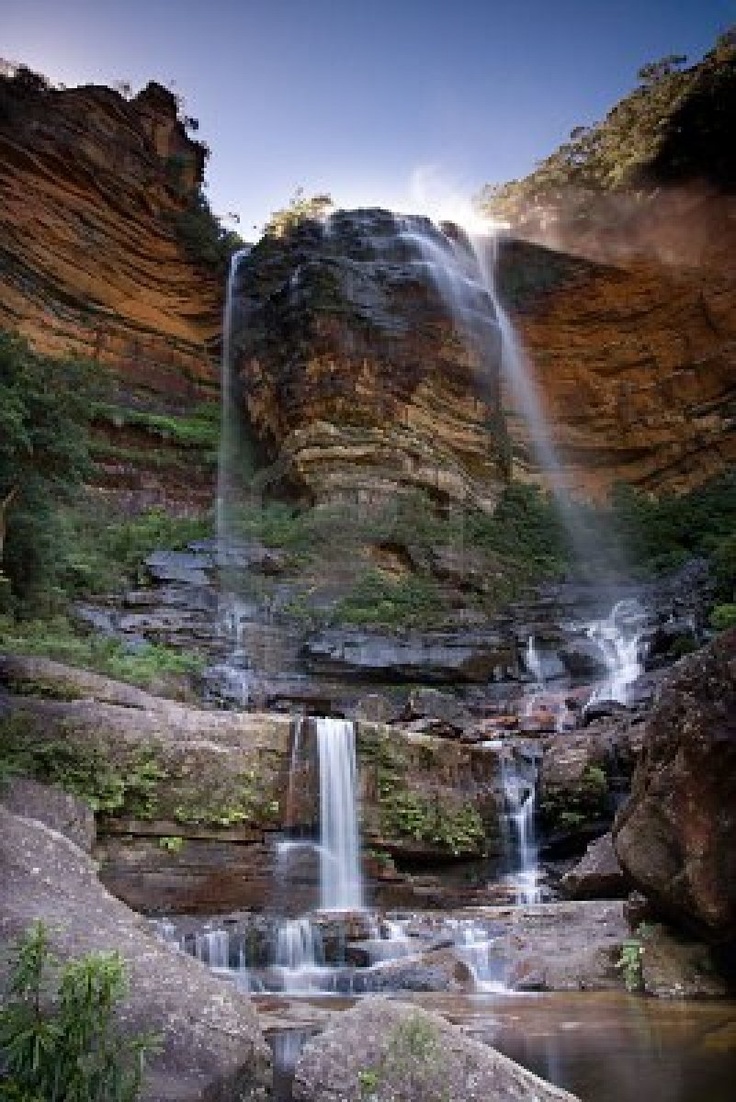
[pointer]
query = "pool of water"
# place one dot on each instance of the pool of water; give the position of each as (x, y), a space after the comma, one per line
(601, 1046)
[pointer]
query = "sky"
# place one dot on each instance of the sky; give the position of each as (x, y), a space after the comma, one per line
(411, 104)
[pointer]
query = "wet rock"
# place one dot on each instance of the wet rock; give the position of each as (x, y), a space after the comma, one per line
(601, 709)
(598, 875)
(53, 807)
(212, 1049)
(394, 1050)
(439, 970)
(442, 707)
(183, 567)
(582, 658)
(665, 642)
(677, 967)
(375, 708)
(676, 836)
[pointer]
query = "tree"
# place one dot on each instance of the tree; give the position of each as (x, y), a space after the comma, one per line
(655, 71)
(299, 208)
(45, 410)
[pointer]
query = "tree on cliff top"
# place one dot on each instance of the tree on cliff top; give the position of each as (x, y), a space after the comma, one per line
(675, 125)
(45, 408)
(299, 207)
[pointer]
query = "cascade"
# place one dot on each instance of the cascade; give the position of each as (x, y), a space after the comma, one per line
(519, 792)
(230, 432)
(619, 637)
(532, 661)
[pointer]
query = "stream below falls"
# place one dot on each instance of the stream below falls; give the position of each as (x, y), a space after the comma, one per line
(601, 1046)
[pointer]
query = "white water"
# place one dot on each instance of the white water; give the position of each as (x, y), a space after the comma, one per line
(618, 636)
(532, 661)
(299, 955)
(341, 881)
(480, 952)
(519, 792)
(229, 412)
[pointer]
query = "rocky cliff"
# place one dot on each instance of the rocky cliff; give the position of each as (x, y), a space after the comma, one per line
(92, 187)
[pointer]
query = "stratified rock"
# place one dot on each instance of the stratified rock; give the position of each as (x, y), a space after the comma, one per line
(212, 1047)
(355, 378)
(384, 1050)
(433, 656)
(598, 875)
(448, 712)
(676, 837)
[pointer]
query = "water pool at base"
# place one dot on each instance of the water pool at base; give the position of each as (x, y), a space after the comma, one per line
(601, 1046)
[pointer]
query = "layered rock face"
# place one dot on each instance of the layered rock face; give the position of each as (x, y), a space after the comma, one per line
(633, 342)
(355, 377)
(90, 260)
(675, 838)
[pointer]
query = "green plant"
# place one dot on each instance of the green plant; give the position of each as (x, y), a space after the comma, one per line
(172, 843)
(630, 964)
(59, 1040)
(411, 1066)
(723, 617)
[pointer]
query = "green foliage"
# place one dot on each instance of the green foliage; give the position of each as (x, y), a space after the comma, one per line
(671, 124)
(56, 638)
(411, 1068)
(200, 430)
(44, 455)
(202, 235)
(630, 964)
(299, 208)
(172, 843)
(723, 617)
(245, 797)
(126, 784)
(59, 1040)
(413, 601)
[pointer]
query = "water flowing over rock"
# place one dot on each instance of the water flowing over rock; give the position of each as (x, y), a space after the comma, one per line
(388, 1049)
(676, 836)
(354, 377)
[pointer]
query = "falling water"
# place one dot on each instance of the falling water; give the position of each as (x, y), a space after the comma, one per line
(341, 883)
(519, 793)
(619, 637)
(299, 954)
(229, 434)
(532, 661)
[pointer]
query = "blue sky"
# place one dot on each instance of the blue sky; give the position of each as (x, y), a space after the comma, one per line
(406, 103)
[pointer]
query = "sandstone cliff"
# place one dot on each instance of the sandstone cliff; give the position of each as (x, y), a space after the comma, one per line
(91, 185)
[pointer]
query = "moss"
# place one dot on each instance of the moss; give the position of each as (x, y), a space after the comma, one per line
(576, 805)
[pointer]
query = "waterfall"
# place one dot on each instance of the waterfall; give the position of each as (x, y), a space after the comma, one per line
(341, 882)
(299, 954)
(519, 793)
(618, 636)
(229, 434)
(532, 661)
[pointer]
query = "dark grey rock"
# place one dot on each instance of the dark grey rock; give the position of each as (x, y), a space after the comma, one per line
(53, 807)
(598, 875)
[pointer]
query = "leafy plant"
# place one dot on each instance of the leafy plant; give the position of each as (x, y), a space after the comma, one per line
(723, 617)
(59, 1041)
(630, 964)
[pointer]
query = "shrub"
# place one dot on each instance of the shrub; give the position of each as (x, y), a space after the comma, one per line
(59, 1041)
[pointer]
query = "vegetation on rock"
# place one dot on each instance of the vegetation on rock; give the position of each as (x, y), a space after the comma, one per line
(674, 126)
(59, 1038)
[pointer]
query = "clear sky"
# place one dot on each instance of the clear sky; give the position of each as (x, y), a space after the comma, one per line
(395, 102)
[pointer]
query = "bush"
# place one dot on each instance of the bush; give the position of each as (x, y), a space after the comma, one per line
(723, 617)
(59, 1041)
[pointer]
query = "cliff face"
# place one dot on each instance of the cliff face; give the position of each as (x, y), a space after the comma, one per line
(633, 343)
(353, 374)
(90, 261)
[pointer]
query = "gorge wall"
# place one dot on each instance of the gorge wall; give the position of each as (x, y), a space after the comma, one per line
(91, 263)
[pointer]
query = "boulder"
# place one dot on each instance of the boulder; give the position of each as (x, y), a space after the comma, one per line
(386, 1050)
(598, 875)
(676, 836)
(51, 805)
(211, 1045)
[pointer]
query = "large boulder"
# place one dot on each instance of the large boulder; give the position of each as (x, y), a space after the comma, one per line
(386, 1050)
(598, 875)
(211, 1045)
(676, 837)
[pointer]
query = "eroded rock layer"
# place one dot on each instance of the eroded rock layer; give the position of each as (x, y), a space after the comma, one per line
(633, 342)
(354, 375)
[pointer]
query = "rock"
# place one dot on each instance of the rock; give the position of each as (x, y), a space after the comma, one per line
(375, 708)
(41, 677)
(53, 807)
(391, 1050)
(676, 836)
(212, 1047)
(110, 280)
(582, 658)
(598, 875)
(183, 567)
(676, 967)
(426, 702)
(437, 970)
(601, 709)
(434, 657)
